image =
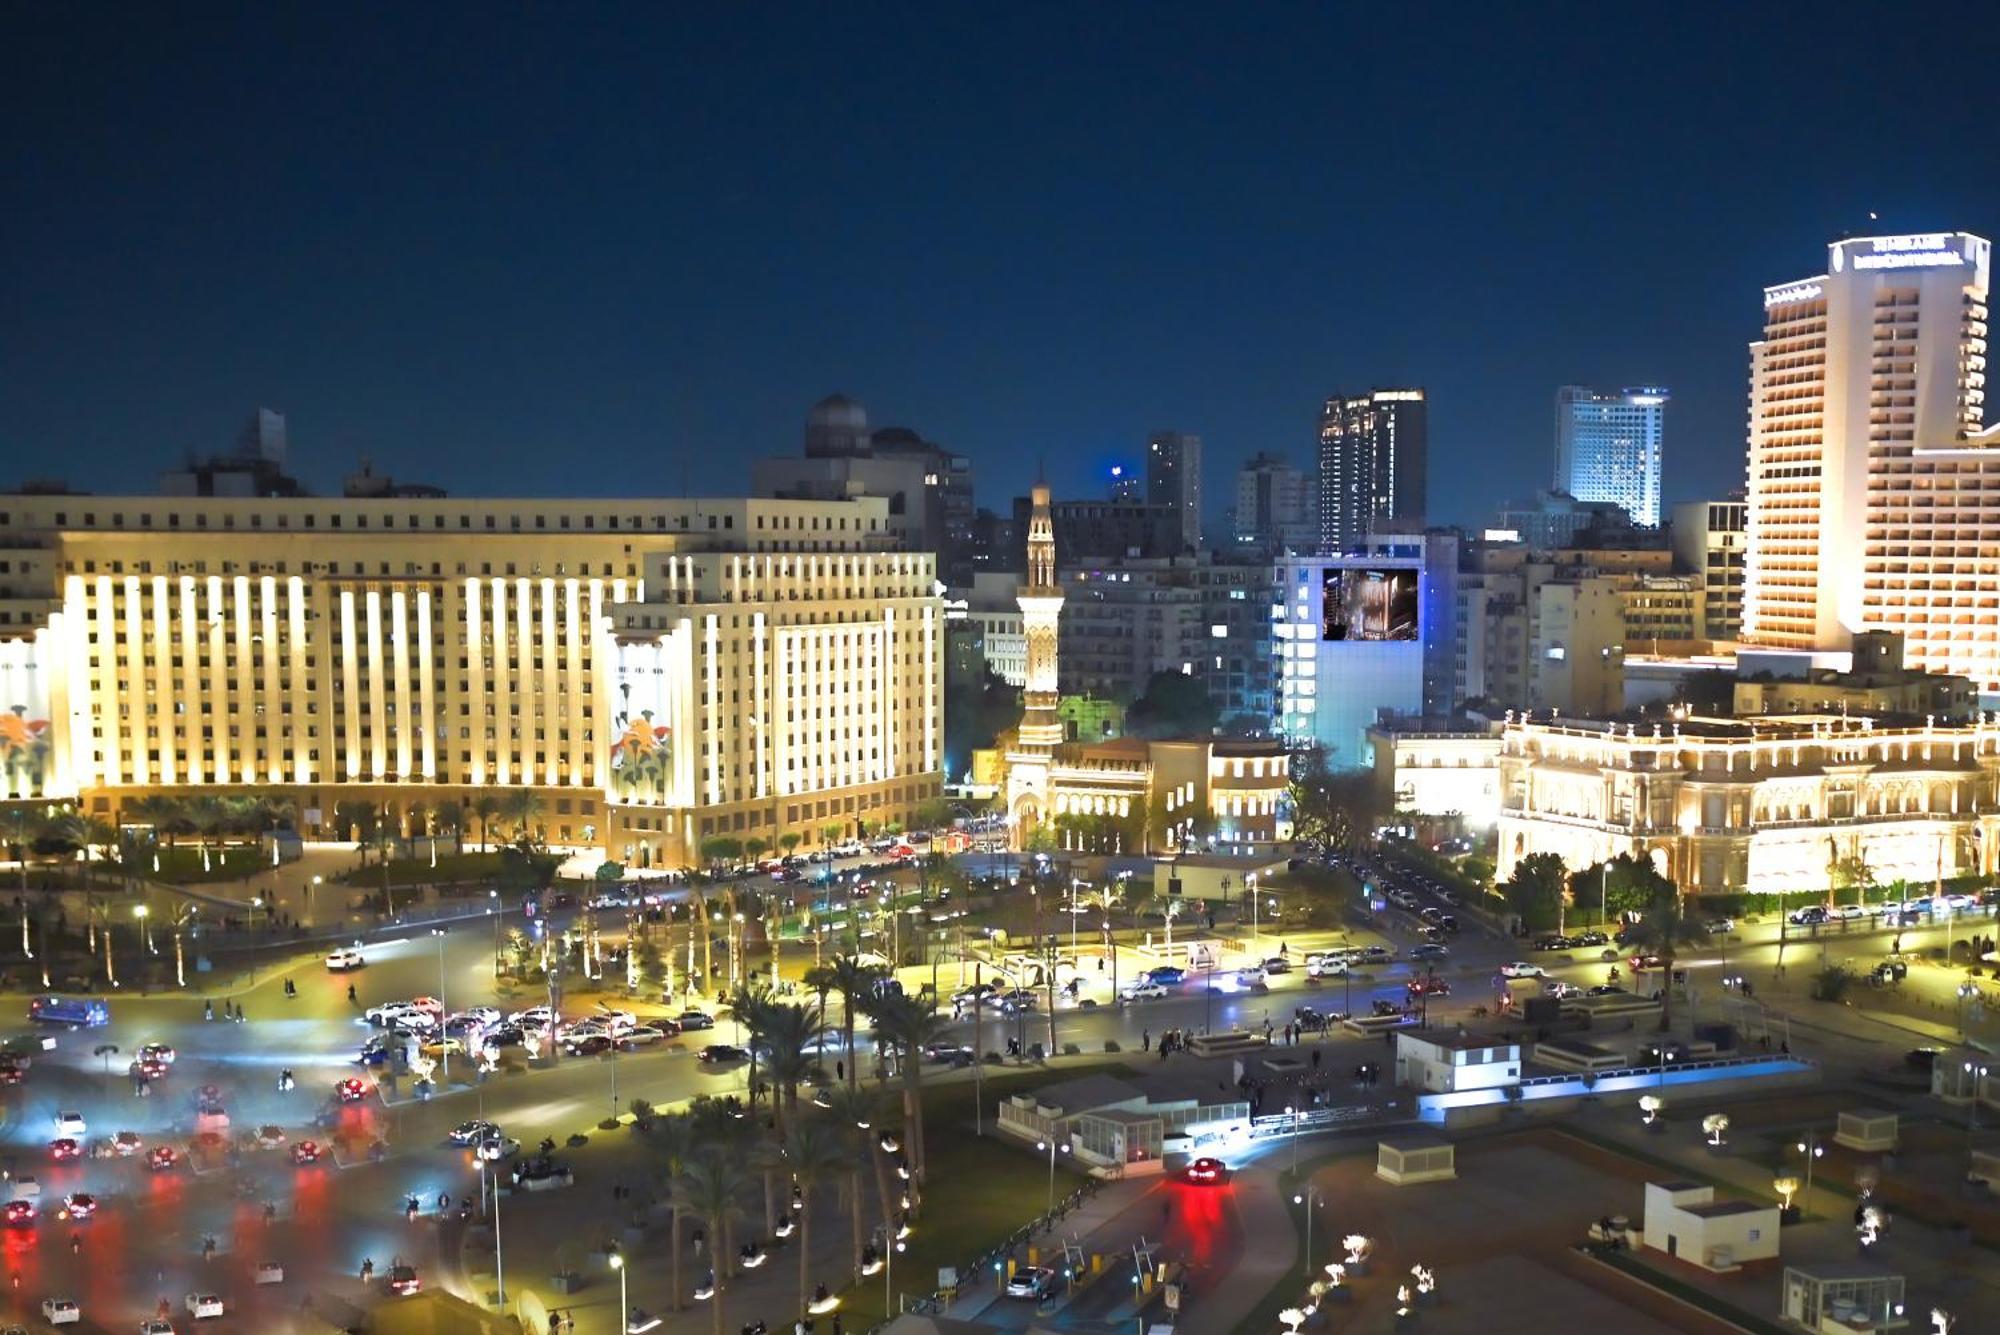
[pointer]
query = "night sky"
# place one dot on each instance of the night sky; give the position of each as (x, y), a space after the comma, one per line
(557, 251)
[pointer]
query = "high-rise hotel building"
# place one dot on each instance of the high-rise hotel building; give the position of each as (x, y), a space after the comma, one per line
(658, 671)
(1608, 447)
(1373, 463)
(1874, 483)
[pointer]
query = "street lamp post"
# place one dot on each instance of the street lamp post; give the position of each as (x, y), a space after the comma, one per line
(1812, 1149)
(1977, 1070)
(1311, 1199)
(311, 886)
(1054, 1147)
(618, 1264)
(141, 912)
(444, 1047)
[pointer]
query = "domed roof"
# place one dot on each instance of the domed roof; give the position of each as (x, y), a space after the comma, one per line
(837, 410)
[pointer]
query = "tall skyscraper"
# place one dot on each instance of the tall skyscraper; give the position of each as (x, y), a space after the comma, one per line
(1608, 447)
(1040, 731)
(1274, 507)
(1372, 458)
(1173, 477)
(1874, 485)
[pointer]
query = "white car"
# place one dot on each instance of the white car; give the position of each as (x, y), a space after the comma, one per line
(1251, 977)
(153, 1325)
(1849, 912)
(483, 1016)
(1521, 969)
(618, 1020)
(1144, 991)
(339, 961)
(71, 1124)
(640, 1034)
(202, 1306)
(61, 1311)
(391, 1012)
(538, 1016)
(1330, 966)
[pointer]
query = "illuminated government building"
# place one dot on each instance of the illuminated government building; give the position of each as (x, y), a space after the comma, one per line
(659, 671)
(1762, 804)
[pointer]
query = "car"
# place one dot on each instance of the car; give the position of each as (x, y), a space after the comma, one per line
(20, 1214)
(305, 1152)
(162, 1158)
(61, 1311)
(1719, 925)
(507, 1034)
(1377, 954)
(617, 1020)
(71, 1123)
(1659, 1052)
(1206, 1171)
(64, 1148)
(389, 1012)
(126, 1143)
(1031, 1281)
(270, 1137)
(1604, 990)
(1429, 950)
(203, 1306)
(1522, 969)
(1649, 960)
(375, 1051)
(1849, 912)
(1809, 916)
(1278, 964)
(148, 1070)
(429, 1005)
(1590, 938)
(948, 1054)
(1559, 990)
(12, 1071)
(1922, 1059)
(153, 1325)
(497, 1146)
(157, 1052)
(270, 1272)
(1429, 986)
(1254, 976)
(694, 1019)
(1144, 991)
(1327, 966)
(587, 1045)
(344, 959)
(403, 1279)
(483, 1016)
(974, 992)
(640, 1035)
(721, 1054)
(1167, 975)
(350, 1091)
(538, 1016)
(443, 1047)
(1020, 999)
(417, 1023)
(79, 1205)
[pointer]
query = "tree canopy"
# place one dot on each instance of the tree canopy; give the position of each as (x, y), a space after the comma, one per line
(1173, 704)
(1332, 810)
(1534, 892)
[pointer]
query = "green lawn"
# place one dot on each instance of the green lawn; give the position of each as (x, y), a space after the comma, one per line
(181, 864)
(981, 1189)
(468, 866)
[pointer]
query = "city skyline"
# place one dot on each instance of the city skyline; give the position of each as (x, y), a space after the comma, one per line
(451, 324)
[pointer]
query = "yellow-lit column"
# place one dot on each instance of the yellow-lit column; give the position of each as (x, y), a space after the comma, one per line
(592, 693)
(216, 687)
(378, 719)
(527, 690)
(711, 721)
(274, 714)
(399, 650)
(298, 728)
(350, 685)
(193, 753)
(427, 662)
(761, 757)
(478, 665)
(548, 711)
(930, 688)
(243, 709)
(135, 674)
(163, 682)
(503, 729)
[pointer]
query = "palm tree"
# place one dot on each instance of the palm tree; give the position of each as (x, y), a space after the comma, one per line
(1665, 926)
(98, 838)
(753, 1009)
(791, 1033)
(788, 841)
(855, 982)
(208, 815)
(910, 1026)
(523, 809)
(857, 1114)
(487, 808)
(812, 1149)
(451, 821)
(21, 826)
(673, 1138)
(710, 1185)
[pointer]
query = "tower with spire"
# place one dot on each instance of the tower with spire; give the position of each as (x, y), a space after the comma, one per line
(1041, 730)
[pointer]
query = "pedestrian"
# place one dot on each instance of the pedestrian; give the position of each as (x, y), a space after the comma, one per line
(840, 1070)
(1145, 1040)
(1316, 1052)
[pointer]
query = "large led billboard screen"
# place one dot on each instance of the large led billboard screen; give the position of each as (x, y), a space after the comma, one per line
(1369, 603)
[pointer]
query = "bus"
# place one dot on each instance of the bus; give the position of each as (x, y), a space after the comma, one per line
(73, 1011)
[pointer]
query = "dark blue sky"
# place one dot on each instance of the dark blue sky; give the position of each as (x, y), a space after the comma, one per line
(559, 250)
